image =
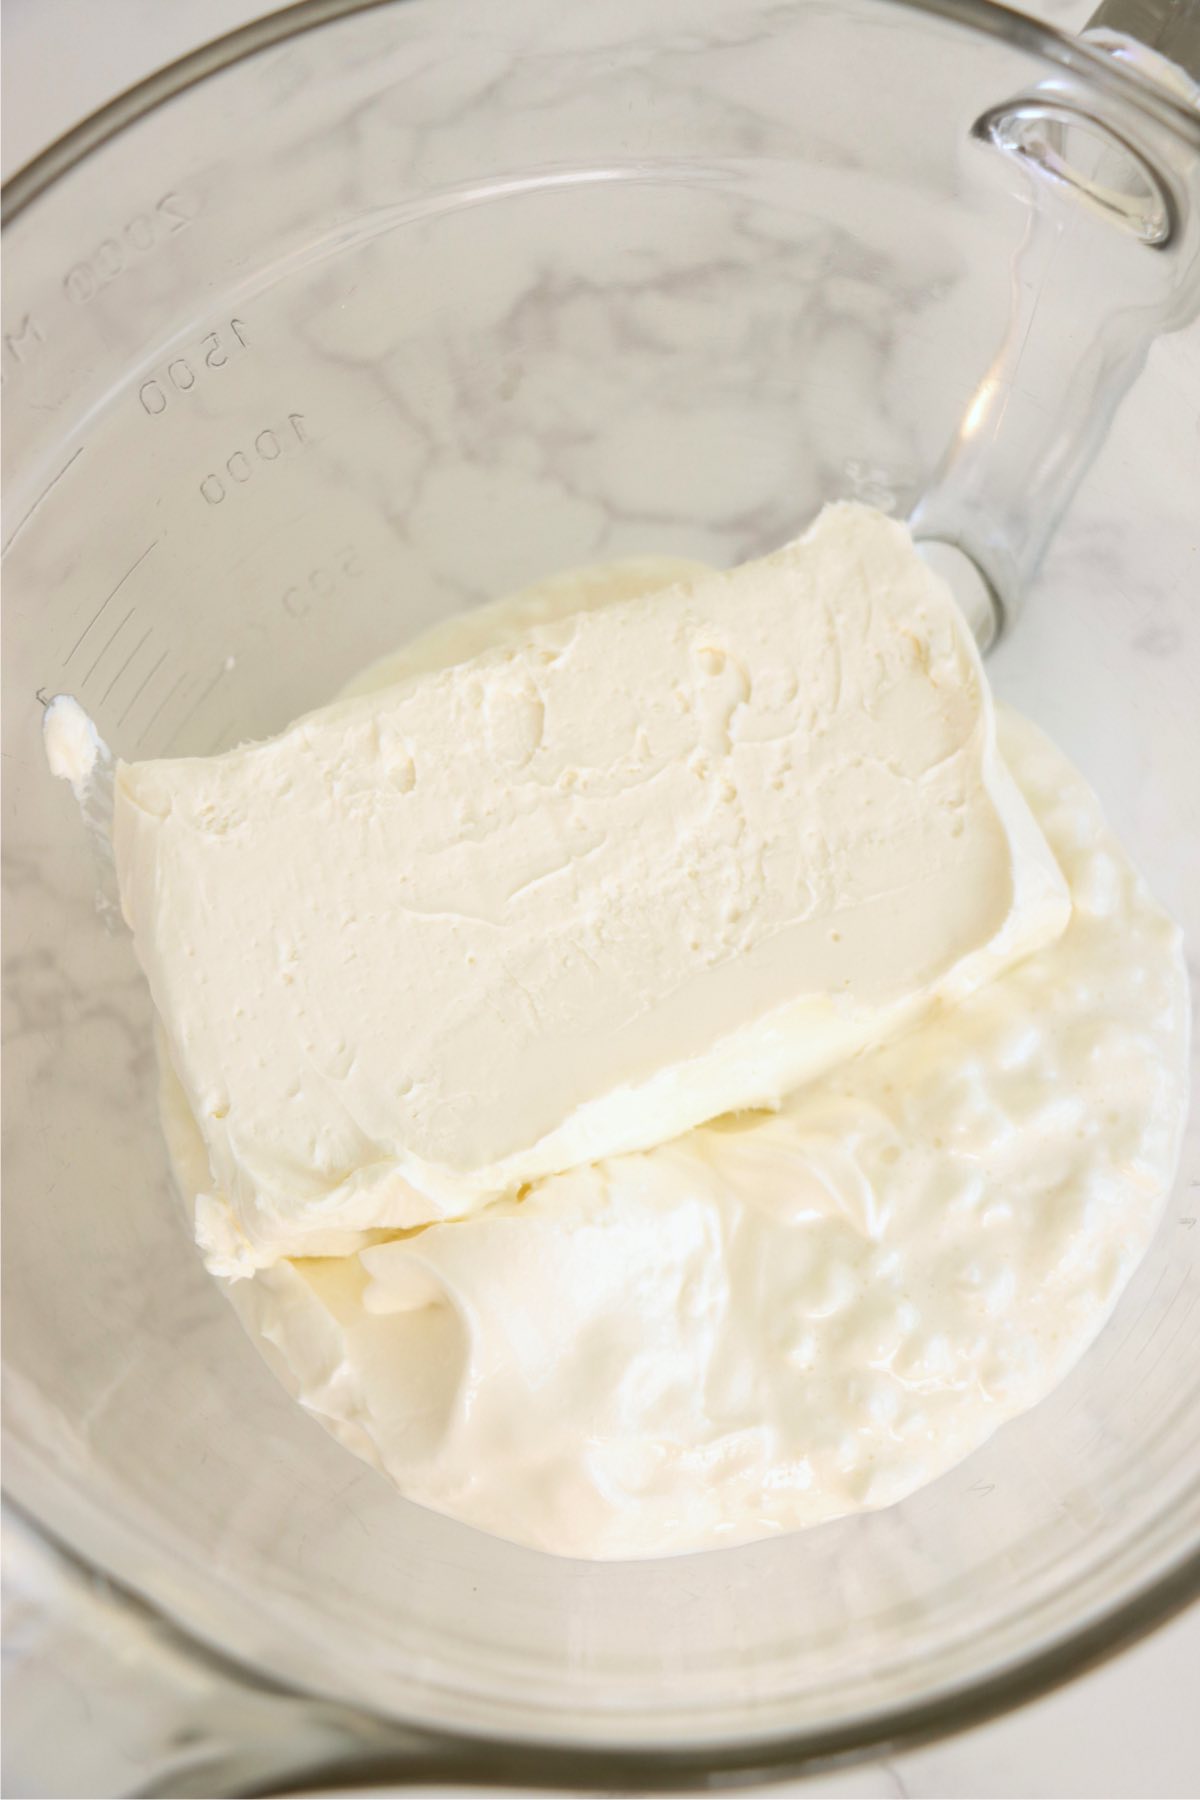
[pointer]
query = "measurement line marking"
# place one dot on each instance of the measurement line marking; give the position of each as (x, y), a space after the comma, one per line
(1139, 1318)
(1177, 1333)
(194, 708)
(144, 639)
(108, 646)
(1162, 1318)
(141, 687)
(155, 715)
(98, 614)
(19, 527)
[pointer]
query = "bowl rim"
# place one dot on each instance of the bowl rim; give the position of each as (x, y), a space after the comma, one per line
(397, 1750)
(477, 1758)
(989, 18)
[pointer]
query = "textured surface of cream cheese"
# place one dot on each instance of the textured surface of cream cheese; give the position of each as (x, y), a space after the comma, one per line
(784, 1317)
(572, 896)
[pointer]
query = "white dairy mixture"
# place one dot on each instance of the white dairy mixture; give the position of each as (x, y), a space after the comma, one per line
(659, 861)
(777, 1317)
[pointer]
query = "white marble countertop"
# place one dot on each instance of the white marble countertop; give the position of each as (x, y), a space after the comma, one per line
(1129, 1728)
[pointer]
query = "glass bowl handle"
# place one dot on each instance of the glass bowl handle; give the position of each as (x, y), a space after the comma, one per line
(1080, 325)
(1149, 33)
(154, 1711)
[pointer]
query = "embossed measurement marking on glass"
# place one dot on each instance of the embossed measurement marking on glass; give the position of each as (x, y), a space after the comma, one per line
(180, 682)
(136, 651)
(134, 241)
(141, 687)
(181, 374)
(240, 467)
(23, 521)
(107, 601)
(193, 709)
(322, 583)
(106, 647)
(21, 345)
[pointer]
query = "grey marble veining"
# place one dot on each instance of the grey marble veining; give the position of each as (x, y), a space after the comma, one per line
(686, 358)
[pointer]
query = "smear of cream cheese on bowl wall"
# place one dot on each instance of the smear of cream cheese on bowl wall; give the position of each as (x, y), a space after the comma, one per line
(657, 1062)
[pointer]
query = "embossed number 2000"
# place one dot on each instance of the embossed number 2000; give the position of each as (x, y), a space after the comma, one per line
(127, 247)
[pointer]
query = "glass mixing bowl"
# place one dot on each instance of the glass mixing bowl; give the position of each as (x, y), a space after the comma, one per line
(399, 308)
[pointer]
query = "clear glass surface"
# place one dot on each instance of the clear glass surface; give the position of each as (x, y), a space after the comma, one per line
(388, 318)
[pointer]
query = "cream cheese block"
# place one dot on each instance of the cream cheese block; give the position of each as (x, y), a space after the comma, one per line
(576, 894)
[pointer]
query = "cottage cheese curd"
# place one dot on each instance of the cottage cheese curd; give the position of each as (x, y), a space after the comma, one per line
(776, 1317)
(780, 1317)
